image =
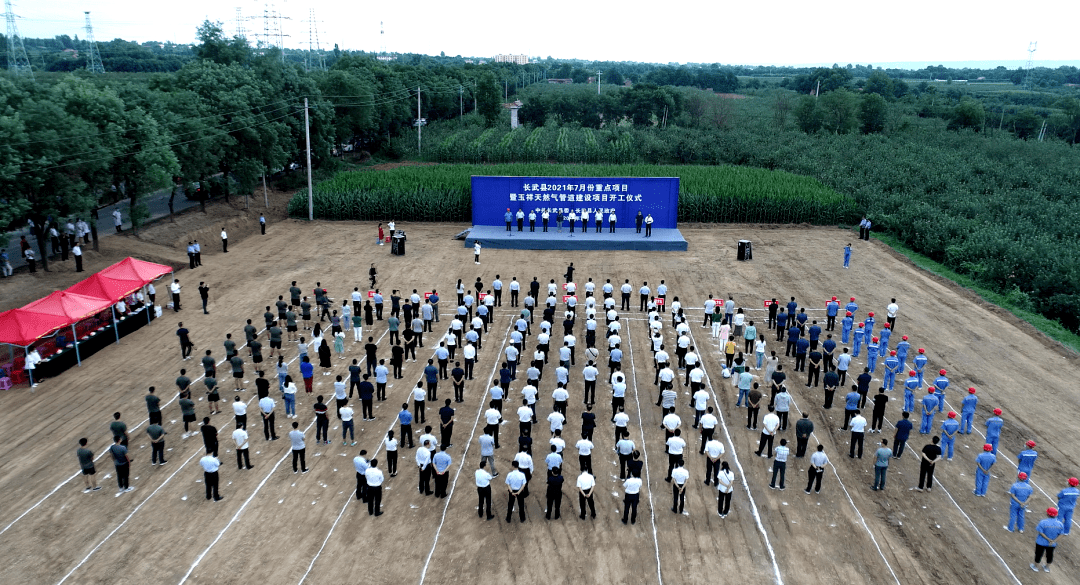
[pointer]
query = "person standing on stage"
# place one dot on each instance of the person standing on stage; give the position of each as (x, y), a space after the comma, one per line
(648, 225)
(611, 222)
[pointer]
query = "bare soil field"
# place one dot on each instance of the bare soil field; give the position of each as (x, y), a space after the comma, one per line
(278, 527)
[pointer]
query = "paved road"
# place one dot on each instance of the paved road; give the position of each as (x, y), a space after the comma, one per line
(158, 204)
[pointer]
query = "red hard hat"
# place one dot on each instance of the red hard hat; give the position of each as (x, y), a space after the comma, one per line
(952, 414)
(893, 352)
(912, 373)
(971, 390)
(853, 298)
(942, 372)
(862, 324)
(886, 325)
(1021, 475)
(874, 339)
(997, 412)
(1030, 444)
(988, 447)
(848, 314)
(871, 313)
(1074, 482)
(1051, 512)
(834, 298)
(904, 337)
(921, 350)
(930, 390)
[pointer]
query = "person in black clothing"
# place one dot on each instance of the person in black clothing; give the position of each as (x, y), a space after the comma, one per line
(570, 272)
(832, 380)
(878, 417)
(209, 436)
(863, 386)
(773, 306)
(366, 392)
(930, 455)
(397, 356)
(446, 425)
(322, 422)
(637, 221)
(185, 341)
(369, 349)
(554, 493)
(410, 343)
(458, 375)
(814, 376)
(369, 316)
(204, 293)
(588, 424)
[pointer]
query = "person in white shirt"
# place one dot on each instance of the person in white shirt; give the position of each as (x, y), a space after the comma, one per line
(858, 431)
(476, 251)
(423, 463)
(375, 478)
(174, 288)
(680, 477)
(708, 427)
(585, 484)
(345, 413)
(390, 445)
(725, 484)
(556, 420)
(675, 447)
(700, 402)
(779, 465)
(361, 464)
(890, 316)
(210, 465)
(585, 447)
(224, 241)
(483, 490)
(266, 405)
(818, 461)
(118, 220)
(631, 489)
(525, 416)
(560, 397)
(770, 425)
(713, 450)
(670, 424)
(625, 289)
(243, 459)
(492, 417)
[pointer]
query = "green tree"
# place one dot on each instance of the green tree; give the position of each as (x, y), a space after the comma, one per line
(214, 46)
(838, 111)
(880, 84)
(488, 98)
(807, 115)
(873, 111)
(969, 113)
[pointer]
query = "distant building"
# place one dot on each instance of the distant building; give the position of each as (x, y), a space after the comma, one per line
(559, 81)
(516, 59)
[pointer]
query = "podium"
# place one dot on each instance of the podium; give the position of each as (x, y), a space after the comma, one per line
(746, 251)
(397, 244)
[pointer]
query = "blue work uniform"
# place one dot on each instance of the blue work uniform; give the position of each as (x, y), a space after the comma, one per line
(910, 386)
(983, 463)
(884, 339)
(845, 329)
(920, 364)
(1018, 497)
(941, 383)
(791, 307)
(847, 256)
(1050, 528)
(857, 339)
(929, 403)
(852, 308)
(901, 353)
(967, 413)
(869, 322)
(871, 355)
(832, 308)
(1066, 504)
(993, 431)
(949, 428)
(1025, 461)
(892, 366)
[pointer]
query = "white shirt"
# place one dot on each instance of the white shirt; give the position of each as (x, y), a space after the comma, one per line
(819, 459)
(858, 424)
(759, 346)
(175, 288)
(560, 395)
(239, 408)
(626, 288)
(771, 422)
(622, 419)
(492, 416)
(701, 399)
(672, 421)
(676, 445)
(529, 393)
(556, 419)
(224, 235)
(708, 421)
(240, 437)
(586, 481)
(714, 449)
(892, 309)
(632, 485)
(524, 460)
(419, 394)
(725, 481)
(423, 457)
(680, 475)
(476, 248)
(346, 414)
(374, 477)
(210, 464)
(710, 306)
(584, 447)
(267, 405)
(559, 444)
(696, 376)
(483, 478)
(524, 413)
(391, 444)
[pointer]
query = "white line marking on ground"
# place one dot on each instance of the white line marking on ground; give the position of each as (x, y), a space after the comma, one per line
(742, 472)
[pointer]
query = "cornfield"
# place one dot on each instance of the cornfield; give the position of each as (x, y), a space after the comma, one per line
(714, 194)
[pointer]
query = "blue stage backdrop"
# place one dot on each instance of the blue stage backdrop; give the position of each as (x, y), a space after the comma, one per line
(625, 196)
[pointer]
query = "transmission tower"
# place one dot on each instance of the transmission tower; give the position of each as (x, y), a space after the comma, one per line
(314, 59)
(18, 62)
(382, 40)
(240, 32)
(1029, 69)
(93, 56)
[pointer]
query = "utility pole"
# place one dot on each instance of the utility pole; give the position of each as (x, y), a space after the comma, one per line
(506, 90)
(307, 140)
(598, 73)
(93, 58)
(419, 121)
(18, 63)
(461, 100)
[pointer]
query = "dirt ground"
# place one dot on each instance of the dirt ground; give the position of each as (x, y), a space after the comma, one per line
(277, 527)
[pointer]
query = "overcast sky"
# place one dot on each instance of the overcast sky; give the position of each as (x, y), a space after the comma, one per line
(781, 32)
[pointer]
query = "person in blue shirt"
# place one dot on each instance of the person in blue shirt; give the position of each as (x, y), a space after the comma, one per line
(405, 418)
(441, 462)
(993, 429)
(828, 348)
(1025, 460)
(903, 431)
(941, 383)
(857, 340)
(845, 327)
(869, 322)
(967, 411)
(791, 307)
(1067, 502)
(920, 364)
(378, 298)
(431, 375)
(901, 351)
(802, 317)
(872, 353)
(929, 403)
(851, 404)
(1018, 497)
(910, 386)
(892, 367)
(983, 463)
(847, 255)
(1048, 531)
(794, 333)
(949, 428)
(886, 333)
(801, 347)
(832, 308)
(814, 334)
(781, 324)
(851, 307)
(508, 217)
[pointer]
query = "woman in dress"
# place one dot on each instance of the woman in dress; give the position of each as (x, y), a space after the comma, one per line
(324, 357)
(369, 316)
(380, 235)
(339, 344)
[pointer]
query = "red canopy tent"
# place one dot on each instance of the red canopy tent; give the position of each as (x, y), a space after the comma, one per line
(107, 288)
(133, 269)
(72, 306)
(22, 327)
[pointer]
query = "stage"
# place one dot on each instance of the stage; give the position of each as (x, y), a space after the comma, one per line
(496, 237)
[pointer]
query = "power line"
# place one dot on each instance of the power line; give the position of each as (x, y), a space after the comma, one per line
(93, 59)
(18, 62)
